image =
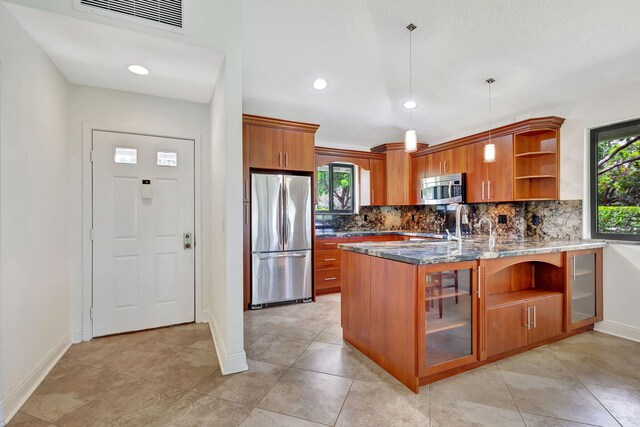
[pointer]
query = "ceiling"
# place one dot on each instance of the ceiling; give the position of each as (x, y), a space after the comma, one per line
(543, 54)
(93, 54)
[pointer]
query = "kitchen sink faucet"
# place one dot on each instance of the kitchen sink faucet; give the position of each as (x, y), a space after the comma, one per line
(460, 219)
(492, 239)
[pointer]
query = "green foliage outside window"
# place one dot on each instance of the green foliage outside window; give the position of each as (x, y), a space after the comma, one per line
(335, 188)
(617, 177)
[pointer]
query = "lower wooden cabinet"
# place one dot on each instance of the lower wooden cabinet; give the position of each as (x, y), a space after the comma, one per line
(584, 288)
(516, 325)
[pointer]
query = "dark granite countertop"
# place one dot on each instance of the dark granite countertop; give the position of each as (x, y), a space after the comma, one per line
(331, 233)
(474, 248)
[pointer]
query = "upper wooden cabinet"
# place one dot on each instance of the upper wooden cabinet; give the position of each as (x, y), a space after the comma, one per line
(490, 182)
(399, 175)
(279, 144)
(378, 182)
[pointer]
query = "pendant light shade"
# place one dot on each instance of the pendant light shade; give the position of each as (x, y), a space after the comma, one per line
(490, 147)
(410, 136)
(410, 141)
(490, 153)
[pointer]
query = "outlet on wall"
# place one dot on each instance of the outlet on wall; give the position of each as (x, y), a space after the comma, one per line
(535, 220)
(366, 217)
(502, 219)
(413, 217)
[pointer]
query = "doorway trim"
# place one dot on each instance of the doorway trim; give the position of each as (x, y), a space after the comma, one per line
(201, 314)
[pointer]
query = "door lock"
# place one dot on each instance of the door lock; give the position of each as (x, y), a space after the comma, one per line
(186, 240)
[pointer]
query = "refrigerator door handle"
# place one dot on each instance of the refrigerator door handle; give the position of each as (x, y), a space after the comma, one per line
(285, 225)
(281, 213)
(262, 258)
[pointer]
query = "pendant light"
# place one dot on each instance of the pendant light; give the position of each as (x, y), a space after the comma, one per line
(410, 136)
(490, 147)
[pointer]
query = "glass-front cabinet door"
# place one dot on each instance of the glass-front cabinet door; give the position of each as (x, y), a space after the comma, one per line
(584, 288)
(447, 301)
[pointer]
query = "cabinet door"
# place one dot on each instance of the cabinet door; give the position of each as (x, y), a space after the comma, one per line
(417, 173)
(246, 254)
(545, 318)
(378, 182)
(246, 192)
(505, 328)
(476, 173)
(500, 173)
(455, 160)
(356, 296)
(265, 147)
(433, 165)
(447, 334)
(298, 151)
(584, 288)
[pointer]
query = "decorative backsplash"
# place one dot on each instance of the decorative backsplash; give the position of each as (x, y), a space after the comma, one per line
(547, 220)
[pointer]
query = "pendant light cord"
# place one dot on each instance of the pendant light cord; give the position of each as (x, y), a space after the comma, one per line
(411, 27)
(490, 81)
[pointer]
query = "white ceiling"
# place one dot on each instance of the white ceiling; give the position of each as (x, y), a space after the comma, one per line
(93, 54)
(542, 53)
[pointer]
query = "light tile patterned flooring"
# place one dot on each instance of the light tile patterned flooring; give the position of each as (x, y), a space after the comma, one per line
(303, 374)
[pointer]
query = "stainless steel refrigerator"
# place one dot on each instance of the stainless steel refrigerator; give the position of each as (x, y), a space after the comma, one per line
(280, 238)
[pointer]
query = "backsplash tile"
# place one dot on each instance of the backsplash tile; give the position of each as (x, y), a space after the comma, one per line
(558, 220)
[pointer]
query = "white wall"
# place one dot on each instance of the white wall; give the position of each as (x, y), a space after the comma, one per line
(34, 288)
(114, 110)
(621, 261)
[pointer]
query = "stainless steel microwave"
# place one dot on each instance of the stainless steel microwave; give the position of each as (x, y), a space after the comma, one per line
(442, 190)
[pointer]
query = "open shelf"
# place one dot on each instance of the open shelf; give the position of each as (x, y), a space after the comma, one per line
(535, 176)
(535, 153)
(507, 298)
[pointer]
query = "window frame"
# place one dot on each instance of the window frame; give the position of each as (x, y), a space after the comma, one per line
(331, 210)
(593, 181)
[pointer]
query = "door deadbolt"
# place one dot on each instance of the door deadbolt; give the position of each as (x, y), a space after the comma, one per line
(186, 240)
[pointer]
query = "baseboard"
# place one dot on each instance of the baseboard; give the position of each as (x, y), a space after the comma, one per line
(23, 391)
(76, 337)
(619, 330)
(229, 363)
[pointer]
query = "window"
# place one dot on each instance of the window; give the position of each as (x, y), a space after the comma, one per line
(167, 158)
(615, 181)
(126, 155)
(335, 188)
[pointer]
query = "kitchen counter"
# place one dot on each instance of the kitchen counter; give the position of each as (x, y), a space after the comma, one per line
(330, 233)
(474, 248)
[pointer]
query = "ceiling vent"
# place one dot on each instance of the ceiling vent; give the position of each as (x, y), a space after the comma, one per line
(162, 12)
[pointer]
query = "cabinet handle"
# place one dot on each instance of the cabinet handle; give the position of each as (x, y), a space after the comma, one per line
(329, 259)
(246, 193)
(286, 159)
(528, 324)
(482, 190)
(440, 168)
(245, 213)
(479, 280)
(327, 244)
(330, 278)
(488, 189)
(280, 159)
(535, 317)
(373, 193)
(573, 267)
(445, 167)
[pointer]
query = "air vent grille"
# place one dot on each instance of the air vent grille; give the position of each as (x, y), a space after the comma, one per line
(168, 12)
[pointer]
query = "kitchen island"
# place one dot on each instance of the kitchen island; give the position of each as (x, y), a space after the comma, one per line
(427, 310)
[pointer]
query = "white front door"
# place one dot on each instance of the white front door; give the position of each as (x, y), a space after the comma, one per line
(143, 205)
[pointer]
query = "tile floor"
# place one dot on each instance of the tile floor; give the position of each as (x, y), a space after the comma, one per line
(303, 374)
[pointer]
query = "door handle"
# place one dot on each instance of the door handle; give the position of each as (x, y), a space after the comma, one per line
(286, 159)
(489, 189)
(262, 258)
(280, 159)
(535, 316)
(482, 190)
(445, 167)
(328, 244)
(479, 280)
(528, 324)
(186, 241)
(330, 278)
(373, 193)
(573, 267)
(329, 259)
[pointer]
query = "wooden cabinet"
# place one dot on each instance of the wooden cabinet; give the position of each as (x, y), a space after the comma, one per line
(545, 318)
(490, 182)
(398, 174)
(448, 306)
(584, 288)
(328, 264)
(298, 151)
(418, 172)
(279, 144)
(356, 298)
(378, 182)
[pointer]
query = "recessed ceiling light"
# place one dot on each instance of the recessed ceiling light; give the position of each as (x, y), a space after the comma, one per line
(410, 104)
(138, 69)
(320, 84)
